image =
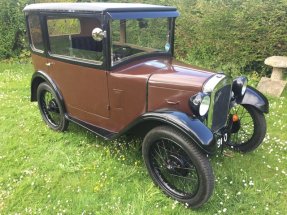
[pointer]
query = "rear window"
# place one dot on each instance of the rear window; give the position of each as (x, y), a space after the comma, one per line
(35, 33)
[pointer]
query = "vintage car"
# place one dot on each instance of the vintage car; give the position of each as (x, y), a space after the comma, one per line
(110, 68)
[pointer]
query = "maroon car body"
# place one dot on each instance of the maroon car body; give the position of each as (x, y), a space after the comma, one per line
(112, 100)
(110, 68)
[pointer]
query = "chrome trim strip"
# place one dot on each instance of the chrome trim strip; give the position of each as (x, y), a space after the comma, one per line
(211, 83)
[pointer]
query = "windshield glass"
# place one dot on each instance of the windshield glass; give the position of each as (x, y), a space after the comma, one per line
(131, 38)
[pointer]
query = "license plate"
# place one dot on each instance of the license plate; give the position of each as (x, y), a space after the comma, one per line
(223, 139)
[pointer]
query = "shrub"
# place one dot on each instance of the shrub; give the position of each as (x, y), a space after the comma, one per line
(12, 27)
(236, 35)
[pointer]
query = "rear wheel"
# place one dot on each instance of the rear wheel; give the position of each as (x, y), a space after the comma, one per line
(50, 107)
(177, 166)
(249, 129)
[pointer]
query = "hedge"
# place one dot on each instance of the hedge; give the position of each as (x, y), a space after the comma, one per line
(228, 35)
(232, 35)
(12, 28)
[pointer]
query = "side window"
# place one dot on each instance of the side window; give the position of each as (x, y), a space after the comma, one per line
(72, 38)
(35, 32)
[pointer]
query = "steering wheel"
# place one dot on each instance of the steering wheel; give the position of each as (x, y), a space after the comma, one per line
(121, 52)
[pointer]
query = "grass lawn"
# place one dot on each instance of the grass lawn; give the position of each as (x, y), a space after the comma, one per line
(76, 172)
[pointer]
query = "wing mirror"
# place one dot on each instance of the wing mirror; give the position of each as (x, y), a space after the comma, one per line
(98, 34)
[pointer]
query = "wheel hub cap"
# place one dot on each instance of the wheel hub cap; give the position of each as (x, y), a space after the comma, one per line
(52, 106)
(175, 165)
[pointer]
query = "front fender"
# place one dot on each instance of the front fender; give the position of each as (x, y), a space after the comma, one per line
(193, 128)
(255, 98)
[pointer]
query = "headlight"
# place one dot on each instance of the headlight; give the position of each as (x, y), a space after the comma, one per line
(204, 106)
(239, 86)
(199, 103)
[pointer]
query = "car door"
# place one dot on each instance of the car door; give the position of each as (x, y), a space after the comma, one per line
(76, 65)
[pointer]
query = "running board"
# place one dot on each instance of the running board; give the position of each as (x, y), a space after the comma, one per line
(106, 134)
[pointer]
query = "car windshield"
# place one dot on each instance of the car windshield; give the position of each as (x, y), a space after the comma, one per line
(136, 37)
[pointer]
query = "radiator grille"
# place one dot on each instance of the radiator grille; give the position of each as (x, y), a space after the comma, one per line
(221, 107)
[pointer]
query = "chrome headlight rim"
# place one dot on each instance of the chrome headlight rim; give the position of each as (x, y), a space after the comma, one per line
(204, 105)
(200, 104)
(244, 88)
(239, 86)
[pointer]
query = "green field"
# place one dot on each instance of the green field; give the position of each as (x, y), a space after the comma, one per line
(76, 172)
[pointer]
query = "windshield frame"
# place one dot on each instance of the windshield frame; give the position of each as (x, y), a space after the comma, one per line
(171, 27)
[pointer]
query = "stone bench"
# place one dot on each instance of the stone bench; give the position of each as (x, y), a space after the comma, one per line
(278, 63)
(275, 85)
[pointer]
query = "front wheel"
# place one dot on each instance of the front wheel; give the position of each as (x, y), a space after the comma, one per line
(249, 128)
(177, 166)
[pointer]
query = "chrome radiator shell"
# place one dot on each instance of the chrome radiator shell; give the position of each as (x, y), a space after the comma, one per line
(219, 87)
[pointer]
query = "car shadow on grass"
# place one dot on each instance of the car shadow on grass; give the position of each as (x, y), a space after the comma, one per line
(127, 147)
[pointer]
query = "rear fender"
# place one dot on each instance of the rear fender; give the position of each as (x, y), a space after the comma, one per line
(39, 77)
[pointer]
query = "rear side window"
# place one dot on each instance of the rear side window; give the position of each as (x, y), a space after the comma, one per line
(72, 38)
(59, 27)
(35, 33)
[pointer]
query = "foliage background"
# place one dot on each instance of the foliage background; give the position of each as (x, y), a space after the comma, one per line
(43, 172)
(230, 35)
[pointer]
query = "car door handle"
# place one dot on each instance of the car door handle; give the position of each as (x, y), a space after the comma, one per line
(172, 102)
(49, 63)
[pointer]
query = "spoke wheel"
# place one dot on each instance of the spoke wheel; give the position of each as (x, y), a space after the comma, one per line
(173, 168)
(51, 110)
(249, 131)
(177, 166)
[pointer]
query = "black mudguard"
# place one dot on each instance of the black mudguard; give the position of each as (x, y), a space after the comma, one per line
(39, 77)
(192, 127)
(255, 98)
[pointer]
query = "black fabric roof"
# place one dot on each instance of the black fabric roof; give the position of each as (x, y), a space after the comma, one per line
(96, 7)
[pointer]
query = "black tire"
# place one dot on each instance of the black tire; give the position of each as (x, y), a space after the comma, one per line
(182, 171)
(50, 108)
(252, 130)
